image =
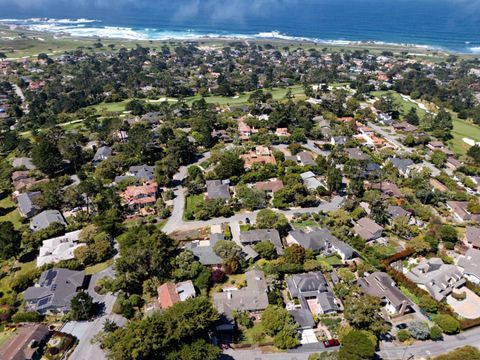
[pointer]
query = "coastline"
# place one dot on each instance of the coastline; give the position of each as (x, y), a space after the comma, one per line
(10, 37)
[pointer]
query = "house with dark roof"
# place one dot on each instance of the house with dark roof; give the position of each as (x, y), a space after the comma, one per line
(203, 249)
(313, 293)
(270, 186)
(252, 237)
(470, 264)
(368, 229)
(320, 240)
(388, 189)
(45, 219)
(436, 277)
(356, 154)
(54, 291)
(26, 343)
(403, 165)
(218, 189)
(304, 158)
(251, 298)
(26, 205)
(395, 212)
(381, 285)
(103, 153)
(142, 172)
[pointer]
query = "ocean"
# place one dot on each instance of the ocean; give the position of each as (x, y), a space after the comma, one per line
(452, 25)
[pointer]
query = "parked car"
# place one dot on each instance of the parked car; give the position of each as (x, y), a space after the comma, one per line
(331, 343)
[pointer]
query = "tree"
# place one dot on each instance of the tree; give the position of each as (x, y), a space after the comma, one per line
(419, 330)
(294, 254)
(10, 240)
(230, 164)
(379, 212)
(46, 156)
(448, 233)
(82, 306)
(436, 333)
(364, 312)
(227, 249)
(357, 345)
(412, 117)
(427, 303)
(251, 198)
(279, 324)
(269, 219)
(447, 323)
(403, 335)
(474, 153)
(438, 158)
(266, 250)
(334, 179)
(466, 352)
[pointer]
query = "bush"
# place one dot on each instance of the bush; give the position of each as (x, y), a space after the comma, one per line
(30, 316)
(436, 333)
(419, 330)
(403, 335)
(447, 323)
(460, 297)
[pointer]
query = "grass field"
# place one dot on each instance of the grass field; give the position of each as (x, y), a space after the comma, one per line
(191, 204)
(91, 270)
(9, 212)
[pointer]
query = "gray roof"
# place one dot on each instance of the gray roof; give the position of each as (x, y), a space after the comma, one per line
(472, 235)
(102, 153)
(368, 229)
(45, 219)
(25, 203)
(470, 263)
(397, 211)
(256, 236)
(438, 278)
(356, 154)
(216, 189)
(312, 285)
(321, 239)
(54, 290)
(23, 162)
(205, 253)
(253, 297)
(305, 158)
(381, 285)
(144, 172)
(401, 164)
(303, 317)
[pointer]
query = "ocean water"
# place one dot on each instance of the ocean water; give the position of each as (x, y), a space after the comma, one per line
(445, 24)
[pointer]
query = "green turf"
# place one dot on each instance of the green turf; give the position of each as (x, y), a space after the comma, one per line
(91, 270)
(9, 212)
(192, 202)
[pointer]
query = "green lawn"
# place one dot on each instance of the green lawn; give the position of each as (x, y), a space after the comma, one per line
(331, 260)
(91, 270)
(192, 202)
(24, 269)
(9, 212)
(304, 224)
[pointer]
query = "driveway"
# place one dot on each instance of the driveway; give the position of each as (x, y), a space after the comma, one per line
(468, 308)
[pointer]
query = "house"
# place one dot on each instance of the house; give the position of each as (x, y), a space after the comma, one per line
(269, 186)
(368, 229)
(138, 197)
(45, 219)
(437, 185)
(395, 212)
(218, 189)
(403, 165)
(103, 153)
(381, 285)
(25, 343)
(470, 264)
(436, 145)
(338, 140)
(282, 132)
(21, 180)
(320, 240)
(304, 158)
(54, 291)
(313, 293)
(452, 163)
(356, 154)
(385, 118)
(59, 248)
(472, 236)
(436, 277)
(388, 189)
(26, 205)
(221, 135)
(244, 130)
(460, 211)
(203, 249)
(251, 298)
(251, 237)
(404, 126)
(169, 293)
(23, 162)
(310, 181)
(142, 172)
(261, 155)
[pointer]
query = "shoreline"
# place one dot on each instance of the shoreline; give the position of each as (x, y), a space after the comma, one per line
(9, 37)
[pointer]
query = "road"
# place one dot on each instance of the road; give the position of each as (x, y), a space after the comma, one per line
(390, 138)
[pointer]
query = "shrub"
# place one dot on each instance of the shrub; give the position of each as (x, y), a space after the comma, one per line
(419, 330)
(30, 316)
(436, 333)
(447, 323)
(403, 335)
(460, 297)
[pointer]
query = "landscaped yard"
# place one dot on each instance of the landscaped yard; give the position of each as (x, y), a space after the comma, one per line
(25, 268)
(9, 212)
(331, 260)
(191, 204)
(91, 270)
(304, 224)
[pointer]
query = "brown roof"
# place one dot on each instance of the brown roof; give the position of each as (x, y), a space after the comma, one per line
(272, 186)
(18, 346)
(254, 158)
(167, 295)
